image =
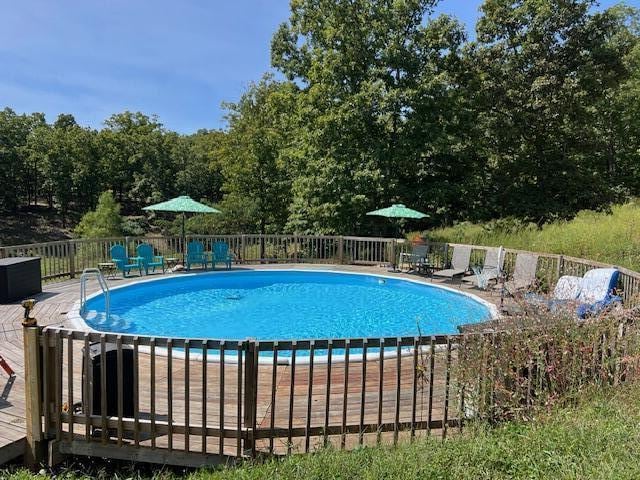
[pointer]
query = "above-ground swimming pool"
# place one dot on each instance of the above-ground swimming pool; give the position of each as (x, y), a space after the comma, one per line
(283, 305)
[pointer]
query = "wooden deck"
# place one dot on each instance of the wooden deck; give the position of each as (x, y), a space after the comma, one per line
(349, 393)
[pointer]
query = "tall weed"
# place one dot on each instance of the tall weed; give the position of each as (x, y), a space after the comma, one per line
(610, 237)
(537, 361)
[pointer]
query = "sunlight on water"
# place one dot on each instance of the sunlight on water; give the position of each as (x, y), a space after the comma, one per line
(268, 305)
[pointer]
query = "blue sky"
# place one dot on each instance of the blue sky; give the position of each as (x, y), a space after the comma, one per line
(178, 59)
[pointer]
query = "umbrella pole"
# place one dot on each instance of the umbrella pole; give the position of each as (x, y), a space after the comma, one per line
(184, 239)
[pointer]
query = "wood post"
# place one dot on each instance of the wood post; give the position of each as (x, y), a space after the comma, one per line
(243, 249)
(393, 253)
(250, 395)
(446, 256)
(36, 450)
(560, 266)
(341, 250)
(71, 251)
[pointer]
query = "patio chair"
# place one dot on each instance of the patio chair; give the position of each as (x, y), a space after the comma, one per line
(145, 251)
(124, 263)
(416, 258)
(196, 255)
(524, 273)
(459, 263)
(491, 269)
(221, 254)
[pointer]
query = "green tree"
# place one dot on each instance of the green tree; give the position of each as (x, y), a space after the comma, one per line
(136, 159)
(199, 156)
(257, 183)
(18, 175)
(104, 221)
(544, 69)
(379, 79)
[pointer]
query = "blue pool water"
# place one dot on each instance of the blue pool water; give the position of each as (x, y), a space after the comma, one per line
(281, 305)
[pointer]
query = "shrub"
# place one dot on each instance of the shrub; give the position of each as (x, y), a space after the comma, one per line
(539, 360)
(135, 226)
(104, 221)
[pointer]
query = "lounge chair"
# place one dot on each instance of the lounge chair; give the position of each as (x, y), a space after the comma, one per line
(221, 254)
(597, 291)
(145, 251)
(589, 295)
(416, 258)
(459, 263)
(524, 273)
(196, 255)
(124, 263)
(566, 290)
(493, 261)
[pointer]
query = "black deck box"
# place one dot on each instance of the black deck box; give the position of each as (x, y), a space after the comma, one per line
(19, 278)
(92, 375)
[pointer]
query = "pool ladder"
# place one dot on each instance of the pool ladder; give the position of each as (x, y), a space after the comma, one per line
(86, 274)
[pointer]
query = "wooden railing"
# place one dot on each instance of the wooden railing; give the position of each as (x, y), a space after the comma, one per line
(195, 402)
(158, 399)
(66, 259)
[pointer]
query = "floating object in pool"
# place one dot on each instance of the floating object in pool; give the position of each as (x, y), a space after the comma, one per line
(381, 281)
(234, 297)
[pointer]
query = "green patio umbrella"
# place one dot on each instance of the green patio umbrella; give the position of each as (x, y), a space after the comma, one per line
(183, 204)
(397, 210)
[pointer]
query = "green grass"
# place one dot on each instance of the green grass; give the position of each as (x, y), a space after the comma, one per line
(607, 237)
(600, 438)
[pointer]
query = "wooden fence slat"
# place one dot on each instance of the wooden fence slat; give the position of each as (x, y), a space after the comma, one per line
(239, 403)
(186, 394)
(432, 359)
(152, 387)
(222, 396)
(327, 398)
(86, 403)
(380, 390)
(170, 393)
(103, 389)
(58, 385)
(363, 393)
(398, 388)
(46, 380)
(120, 383)
(136, 393)
(447, 385)
(204, 397)
(291, 395)
(345, 396)
(414, 387)
(309, 397)
(70, 384)
(274, 385)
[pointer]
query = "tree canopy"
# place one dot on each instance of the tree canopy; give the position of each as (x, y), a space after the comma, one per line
(536, 116)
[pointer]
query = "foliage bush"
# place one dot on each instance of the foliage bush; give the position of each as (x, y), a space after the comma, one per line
(104, 221)
(536, 361)
(135, 226)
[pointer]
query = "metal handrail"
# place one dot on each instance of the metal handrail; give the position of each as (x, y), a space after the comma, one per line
(86, 274)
